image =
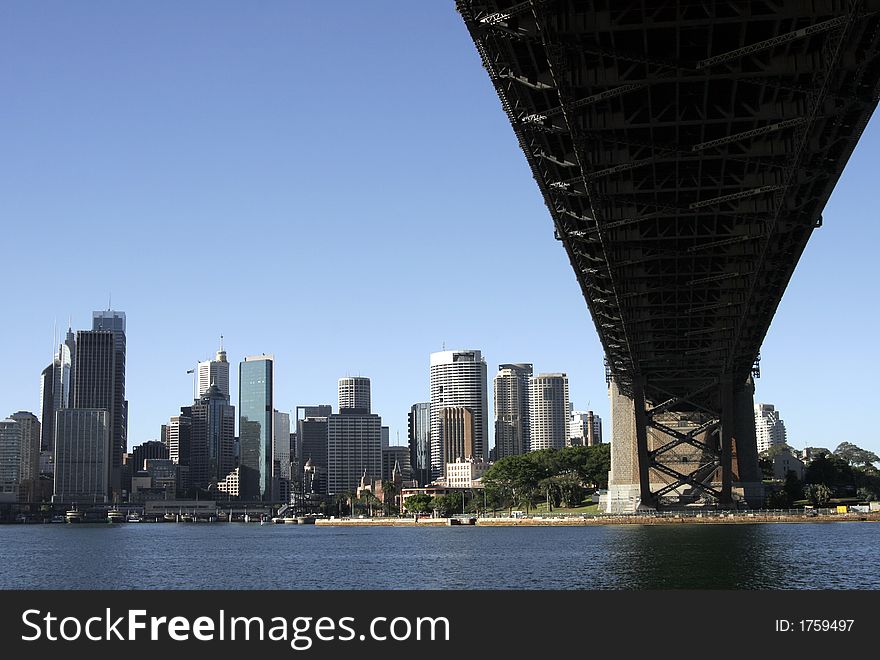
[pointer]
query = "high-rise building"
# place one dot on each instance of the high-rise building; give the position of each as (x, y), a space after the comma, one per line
(214, 372)
(149, 449)
(10, 460)
(56, 389)
(457, 430)
(255, 421)
(82, 455)
(29, 455)
(512, 409)
(585, 428)
(99, 382)
(178, 436)
(458, 379)
(548, 411)
(281, 454)
(396, 455)
(311, 447)
(769, 427)
(354, 442)
(212, 438)
(354, 394)
(419, 434)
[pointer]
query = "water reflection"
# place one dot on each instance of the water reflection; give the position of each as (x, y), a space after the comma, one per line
(239, 556)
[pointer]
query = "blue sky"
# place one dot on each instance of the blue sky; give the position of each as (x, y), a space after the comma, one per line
(340, 187)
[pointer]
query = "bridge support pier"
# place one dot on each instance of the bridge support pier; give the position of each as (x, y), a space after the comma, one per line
(673, 455)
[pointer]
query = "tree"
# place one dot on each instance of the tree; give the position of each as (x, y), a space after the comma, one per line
(419, 503)
(830, 470)
(793, 487)
(866, 494)
(855, 455)
(818, 494)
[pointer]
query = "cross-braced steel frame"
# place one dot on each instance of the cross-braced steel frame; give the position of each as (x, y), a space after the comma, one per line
(685, 151)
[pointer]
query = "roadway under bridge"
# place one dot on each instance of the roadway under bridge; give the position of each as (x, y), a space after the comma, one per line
(685, 150)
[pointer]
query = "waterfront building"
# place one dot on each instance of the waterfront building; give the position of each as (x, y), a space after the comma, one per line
(311, 433)
(511, 385)
(396, 455)
(214, 372)
(585, 428)
(145, 450)
(28, 456)
(419, 435)
(255, 409)
(99, 382)
(769, 427)
(784, 462)
(354, 394)
(281, 456)
(457, 430)
(212, 438)
(466, 473)
(548, 411)
(10, 460)
(178, 433)
(56, 389)
(231, 484)
(82, 455)
(354, 444)
(458, 379)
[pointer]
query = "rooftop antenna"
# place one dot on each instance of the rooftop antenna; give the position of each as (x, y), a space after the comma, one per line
(109, 300)
(221, 343)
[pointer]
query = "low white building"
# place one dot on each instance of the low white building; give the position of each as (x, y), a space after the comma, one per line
(785, 462)
(230, 484)
(465, 473)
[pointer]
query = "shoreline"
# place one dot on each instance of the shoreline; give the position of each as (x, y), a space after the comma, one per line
(574, 521)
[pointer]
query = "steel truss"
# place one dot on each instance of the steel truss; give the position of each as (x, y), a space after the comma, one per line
(685, 152)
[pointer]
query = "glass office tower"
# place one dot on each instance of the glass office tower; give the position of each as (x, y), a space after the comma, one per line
(255, 406)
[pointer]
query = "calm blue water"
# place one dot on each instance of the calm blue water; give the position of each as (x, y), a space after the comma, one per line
(239, 556)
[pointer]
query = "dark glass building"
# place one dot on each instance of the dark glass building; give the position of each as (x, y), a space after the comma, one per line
(419, 431)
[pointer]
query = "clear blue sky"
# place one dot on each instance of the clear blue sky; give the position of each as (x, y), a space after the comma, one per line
(335, 184)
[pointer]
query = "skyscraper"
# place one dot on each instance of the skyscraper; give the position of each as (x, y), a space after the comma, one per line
(419, 433)
(585, 428)
(56, 389)
(82, 455)
(212, 438)
(255, 409)
(10, 460)
(512, 409)
(769, 427)
(458, 379)
(457, 429)
(214, 372)
(311, 446)
(178, 437)
(99, 382)
(548, 411)
(29, 455)
(354, 393)
(281, 453)
(354, 443)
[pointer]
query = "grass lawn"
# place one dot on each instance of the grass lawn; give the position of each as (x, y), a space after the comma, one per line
(586, 507)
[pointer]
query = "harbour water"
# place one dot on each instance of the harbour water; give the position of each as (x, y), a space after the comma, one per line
(238, 556)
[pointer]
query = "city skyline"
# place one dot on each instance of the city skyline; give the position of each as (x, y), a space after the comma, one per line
(212, 168)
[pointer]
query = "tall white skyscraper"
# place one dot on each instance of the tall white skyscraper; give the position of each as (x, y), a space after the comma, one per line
(512, 409)
(354, 393)
(548, 411)
(458, 379)
(769, 427)
(214, 372)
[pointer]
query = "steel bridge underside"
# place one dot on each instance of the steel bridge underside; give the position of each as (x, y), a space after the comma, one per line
(686, 151)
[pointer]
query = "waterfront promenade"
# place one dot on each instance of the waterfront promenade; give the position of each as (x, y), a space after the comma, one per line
(661, 518)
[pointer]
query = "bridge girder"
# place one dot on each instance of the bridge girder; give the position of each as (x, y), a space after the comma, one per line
(685, 152)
